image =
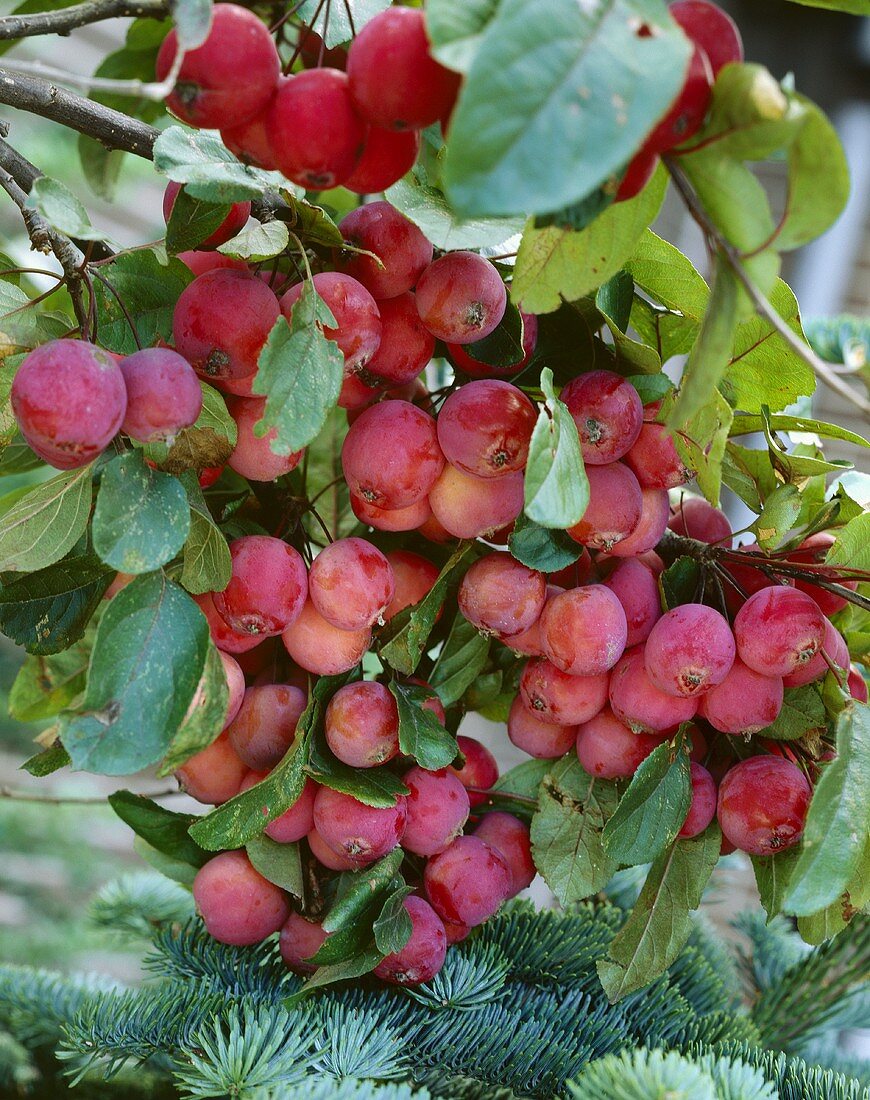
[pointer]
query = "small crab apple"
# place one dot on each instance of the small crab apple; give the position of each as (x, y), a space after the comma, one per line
(395, 81)
(401, 247)
(530, 641)
(608, 413)
(640, 170)
(314, 132)
(215, 774)
(510, 836)
(467, 882)
(357, 831)
(636, 701)
(351, 583)
(391, 519)
(300, 939)
(554, 696)
(237, 904)
(230, 77)
(606, 747)
(438, 808)
(358, 321)
(250, 141)
(265, 726)
(461, 297)
(763, 803)
(463, 359)
(711, 29)
(200, 262)
(584, 630)
(69, 400)
(479, 771)
(252, 455)
(387, 156)
(469, 507)
(406, 344)
(232, 224)
(321, 648)
(163, 395)
(702, 808)
(267, 588)
(834, 649)
(654, 459)
(362, 724)
(326, 856)
(414, 576)
(857, 685)
(686, 114)
(391, 456)
(744, 703)
(224, 637)
(778, 630)
(698, 519)
(813, 551)
(296, 821)
(614, 509)
(221, 322)
(689, 650)
(539, 737)
(499, 595)
(653, 522)
(423, 955)
(485, 427)
(635, 586)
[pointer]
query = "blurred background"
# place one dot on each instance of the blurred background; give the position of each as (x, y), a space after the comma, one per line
(53, 857)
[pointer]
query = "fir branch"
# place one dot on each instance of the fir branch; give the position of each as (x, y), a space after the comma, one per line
(133, 905)
(26, 25)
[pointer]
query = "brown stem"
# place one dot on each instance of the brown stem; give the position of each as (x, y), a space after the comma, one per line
(763, 307)
(57, 800)
(78, 15)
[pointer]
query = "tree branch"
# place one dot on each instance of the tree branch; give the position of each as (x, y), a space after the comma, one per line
(822, 370)
(111, 128)
(79, 15)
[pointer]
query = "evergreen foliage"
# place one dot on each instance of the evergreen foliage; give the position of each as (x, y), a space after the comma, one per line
(517, 1011)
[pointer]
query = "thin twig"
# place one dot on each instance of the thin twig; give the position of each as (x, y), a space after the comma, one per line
(821, 369)
(78, 15)
(57, 800)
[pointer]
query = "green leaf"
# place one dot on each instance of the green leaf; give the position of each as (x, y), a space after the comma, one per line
(205, 717)
(455, 27)
(854, 7)
(356, 889)
(663, 272)
(679, 583)
(48, 761)
(362, 963)
(393, 927)
(141, 518)
(39, 527)
(258, 242)
(709, 357)
(701, 444)
(747, 424)
(192, 221)
(405, 648)
(852, 547)
(300, 374)
(543, 548)
(504, 345)
(421, 735)
(653, 809)
(373, 786)
(279, 863)
(209, 171)
(772, 877)
(236, 822)
(803, 710)
(763, 369)
(207, 442)
(341, 23)
(460, 661)
(541, 62)
(168, 866)
(161, 828)
(838, 821)
(556, 264)
(148, 657)
(47, 611)
(566, 831)
(524, 779)
(207, 562)
(778, 517)
(45, 685)
(659, 925)
(24, 325)
(192, 19)
(829, 922)
(424, 205)
(556, 486)
(149, 291)
(62, 209)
